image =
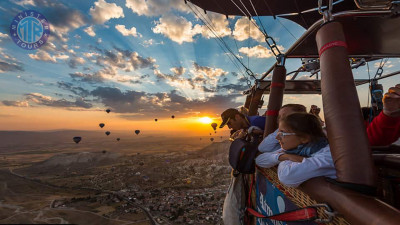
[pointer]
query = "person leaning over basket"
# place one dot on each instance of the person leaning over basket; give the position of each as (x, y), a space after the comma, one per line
(242, 124)
(304, 152)
(270, 144)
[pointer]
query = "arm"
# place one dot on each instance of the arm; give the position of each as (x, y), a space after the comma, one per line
(268, 159)
(291, 157)
(269, 144)
(292, 174)
(383, 130)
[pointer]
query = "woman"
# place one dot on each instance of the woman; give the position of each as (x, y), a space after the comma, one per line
(304, 152)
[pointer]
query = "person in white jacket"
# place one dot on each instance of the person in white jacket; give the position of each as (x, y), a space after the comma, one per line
(304, 151)
(269, 143)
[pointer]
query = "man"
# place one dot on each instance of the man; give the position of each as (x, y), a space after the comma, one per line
(242, 124)
(270, 143)
(385, 128)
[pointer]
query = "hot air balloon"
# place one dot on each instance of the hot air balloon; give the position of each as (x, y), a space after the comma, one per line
(172, 116)
(108, 133)
(210, 133)
(214, 126)
(77, 139)
(101, 125)
(156, 120)
(137, 132)
(201, 139)
(118, 139)
(211, 139)
(108, 110)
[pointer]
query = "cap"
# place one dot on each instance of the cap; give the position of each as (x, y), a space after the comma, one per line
(227, 115)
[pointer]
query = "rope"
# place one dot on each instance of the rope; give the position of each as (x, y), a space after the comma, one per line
(222, 41)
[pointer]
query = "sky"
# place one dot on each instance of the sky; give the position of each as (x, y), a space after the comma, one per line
(141, 59)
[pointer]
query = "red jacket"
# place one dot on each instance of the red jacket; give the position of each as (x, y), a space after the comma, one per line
(383, 130)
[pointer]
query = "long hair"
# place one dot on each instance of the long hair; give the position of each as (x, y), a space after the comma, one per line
(304, 124)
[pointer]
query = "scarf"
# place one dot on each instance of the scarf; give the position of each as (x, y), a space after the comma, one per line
(308, 149)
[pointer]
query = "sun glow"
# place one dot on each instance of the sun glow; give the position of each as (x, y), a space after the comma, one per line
(205, 120)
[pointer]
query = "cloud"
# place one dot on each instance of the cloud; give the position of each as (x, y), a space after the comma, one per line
(9, 63)
(178, 70)
(218, 23)
(15, 103)
(125, 60)
(63, 19)
(207, 72)
(87, 77)
(3, 36)
(259, 51)
(103, 11)
(176, 28)
(160, 103)
(89, 30)
(40, 99)
(241, 31)
(76, 90)
(233, 88)
(127, 32)
(42, 55)
(147, 43)
(155, 7)
(72, 63)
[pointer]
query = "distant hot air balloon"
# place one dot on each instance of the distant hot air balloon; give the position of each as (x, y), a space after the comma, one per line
(221, 137)
(108, 133)
(211, 139)
(108, 110)
(215, 131)
(214, 126)
(210, 133)
(137, 132)
(201, 139)
(156, 120)
(101, 125)
(118, 139)
(77, 139)
(172, 116)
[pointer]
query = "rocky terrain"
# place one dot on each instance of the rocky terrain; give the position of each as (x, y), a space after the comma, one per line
(145, 187)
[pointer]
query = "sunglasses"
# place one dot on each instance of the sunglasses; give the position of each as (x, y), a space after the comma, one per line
(282, 134)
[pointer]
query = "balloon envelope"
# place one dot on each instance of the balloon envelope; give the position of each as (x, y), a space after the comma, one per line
(172, 116)
(101, 125)
(118, 139)
(156, 120)
(108, 133)
(108, 110)
(77, 139)
(137, 132)
(211, 139)
(214, 126)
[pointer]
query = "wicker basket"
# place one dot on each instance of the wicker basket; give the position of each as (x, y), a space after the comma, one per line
(296, 196)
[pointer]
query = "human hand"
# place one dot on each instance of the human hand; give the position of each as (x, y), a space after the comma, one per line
(391, 102)
(239, 134)
(254, 130)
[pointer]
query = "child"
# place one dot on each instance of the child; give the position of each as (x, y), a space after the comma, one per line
(304, 152)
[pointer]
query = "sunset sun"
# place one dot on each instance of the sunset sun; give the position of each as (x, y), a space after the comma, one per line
(205, 120)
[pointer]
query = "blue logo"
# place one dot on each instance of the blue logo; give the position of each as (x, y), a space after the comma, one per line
(29, 29)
